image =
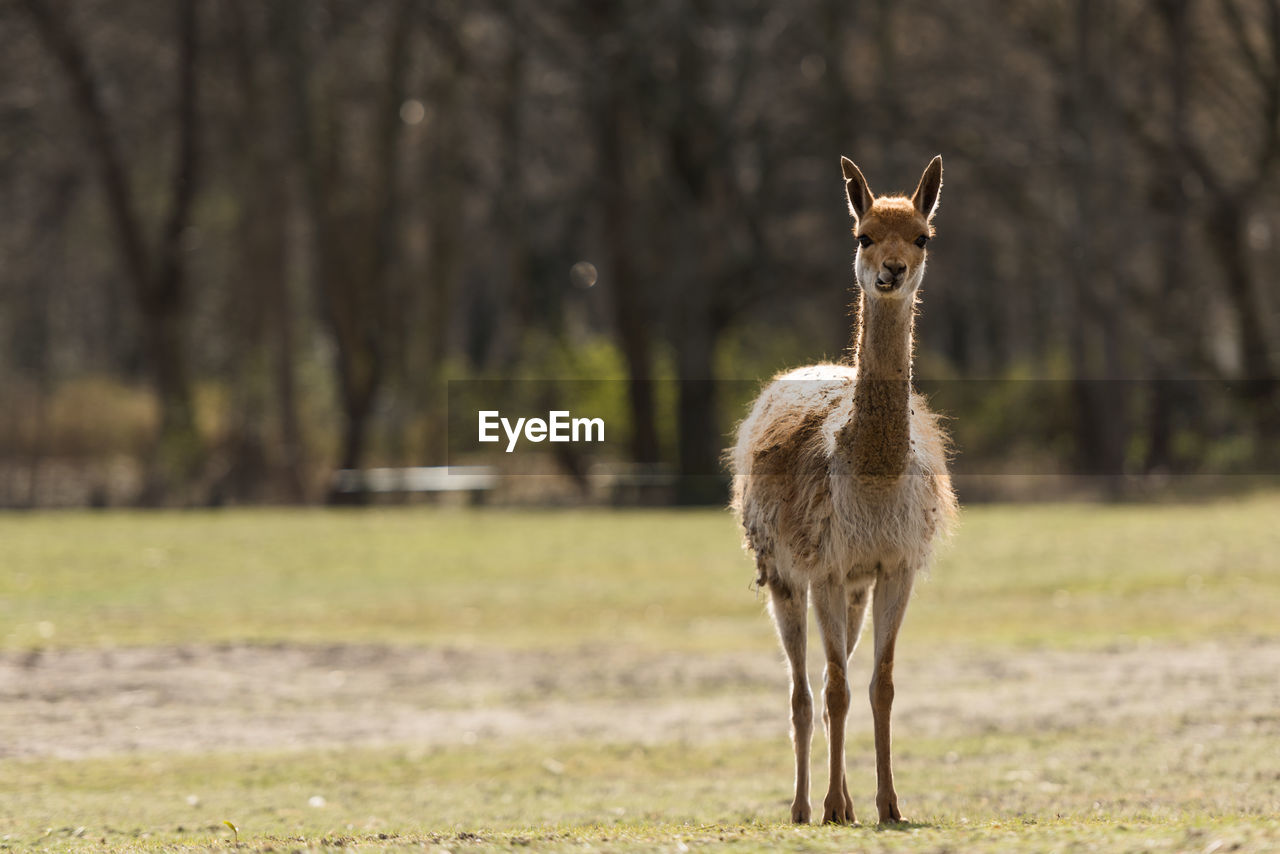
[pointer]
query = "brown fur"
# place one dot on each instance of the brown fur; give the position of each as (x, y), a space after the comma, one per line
(800, 478)
(878, 441)
(840, 483)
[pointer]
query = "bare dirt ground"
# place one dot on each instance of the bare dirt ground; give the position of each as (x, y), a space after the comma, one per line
(81, 703)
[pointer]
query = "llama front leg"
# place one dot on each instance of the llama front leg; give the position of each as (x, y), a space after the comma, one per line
(788, 605)
(832, 608)
(891, 596)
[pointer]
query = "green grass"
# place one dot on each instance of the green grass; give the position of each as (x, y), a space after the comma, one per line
(1055, 575)
(1052, 576)
(1102, 788)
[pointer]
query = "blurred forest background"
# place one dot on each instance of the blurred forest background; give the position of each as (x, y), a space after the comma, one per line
(248, 243)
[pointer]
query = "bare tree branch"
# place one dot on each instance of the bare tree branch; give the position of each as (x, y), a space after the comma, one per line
(1232, 14)
(66, 47)
(183, 182)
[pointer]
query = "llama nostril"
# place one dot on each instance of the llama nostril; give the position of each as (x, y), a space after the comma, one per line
(895, 268)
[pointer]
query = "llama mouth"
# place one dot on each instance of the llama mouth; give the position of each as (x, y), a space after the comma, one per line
(885, 287)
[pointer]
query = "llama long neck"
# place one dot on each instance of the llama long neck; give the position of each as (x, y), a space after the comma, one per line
(877, 440)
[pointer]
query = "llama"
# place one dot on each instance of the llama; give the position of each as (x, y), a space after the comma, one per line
(841, 486)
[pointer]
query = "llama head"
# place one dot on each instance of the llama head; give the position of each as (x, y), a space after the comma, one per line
(892, 231)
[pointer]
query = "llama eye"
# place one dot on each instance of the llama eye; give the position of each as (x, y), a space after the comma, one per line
(922, 240)
(864, 241)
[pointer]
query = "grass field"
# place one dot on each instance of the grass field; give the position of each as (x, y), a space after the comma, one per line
(1072, 677)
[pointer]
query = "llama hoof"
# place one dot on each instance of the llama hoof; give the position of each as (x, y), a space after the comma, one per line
(836, 810)
(800, 813)
(889, 812)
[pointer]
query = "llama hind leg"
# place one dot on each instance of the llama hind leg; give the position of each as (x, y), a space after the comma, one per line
(858, 599)
(892, 594)
(830, 603)
(788, 605)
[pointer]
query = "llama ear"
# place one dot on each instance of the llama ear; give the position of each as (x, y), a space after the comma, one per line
(856, 188)
(926, 195)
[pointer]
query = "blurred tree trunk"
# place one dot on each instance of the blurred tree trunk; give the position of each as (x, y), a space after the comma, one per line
(842, 109)
(693, 141)
(354, 228)
(159, 276)
(1234, 201)
(1227, 225)
(262, 308)
(1230, 216)
(1227, 228)
(891, 108)
(714, 229)
(1167, 402)
(30, 344)
(163, 305)
(700, 440)
(1098, 394)
(1170, 189)
(444, 194)
(613, 123)
(512, 215)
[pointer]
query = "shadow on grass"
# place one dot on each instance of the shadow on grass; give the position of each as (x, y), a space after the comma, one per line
(899, 826)
(902, 826)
